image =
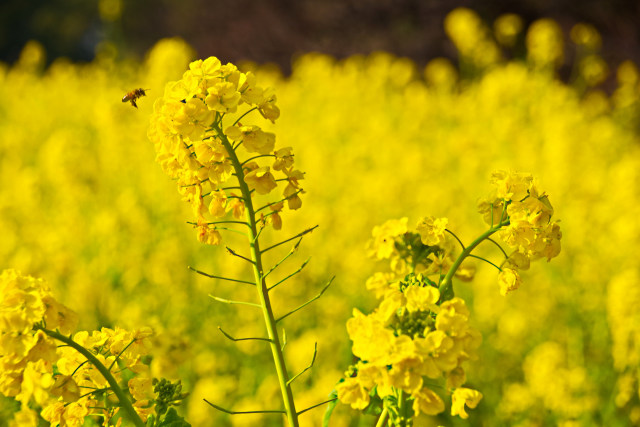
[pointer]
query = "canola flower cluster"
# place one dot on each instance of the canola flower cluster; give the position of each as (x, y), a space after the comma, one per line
(197, 139)
(67, 382)
(531, 234)
(198, 150)
(407, 342)
(417, 333)
(429, 250)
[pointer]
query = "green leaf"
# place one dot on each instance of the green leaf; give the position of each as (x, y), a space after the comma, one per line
(172, 419)
(330, 407)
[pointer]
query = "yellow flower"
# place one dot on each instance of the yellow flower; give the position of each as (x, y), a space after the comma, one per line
(518, 260)
(217, 206)
(210, 67)
(441, 73)
(511, 185)
(519, 233)
(371, 340)
(274, 219)
(544, 43)
(351, 392)
(66, 387)
(251, 94)
(26, 417)
(141, 388)
(379, 283)
(491, 209)
(191, 118)
(75, 412)
(471, 37)
(508, 280)
(36, 381)
(293, 189)
(140, 340)
(208, 234)
(426, 401)
(21, 302)
(268, 107)
(593, 69)
(254, 139)
(453, 317)
(456, 377)
(43, 348)
(551, 242)
(284, 158)
(406, 372)
(462, 397)
(389, 306)
(191, 149)
(421, 298)
(432, 230)
(71, 415)
(236, 206)
(586, 35)
(440, 263)
(383, 243)
(438, 351)
(58, 316)
(506, 28)
(54, 413)
(261, 180)
(535, 210)
(222, 97)
(194, 196)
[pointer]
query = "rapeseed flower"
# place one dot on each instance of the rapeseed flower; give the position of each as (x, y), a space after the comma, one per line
(192, 147)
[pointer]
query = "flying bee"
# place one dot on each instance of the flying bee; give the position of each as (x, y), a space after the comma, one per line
(133, 95)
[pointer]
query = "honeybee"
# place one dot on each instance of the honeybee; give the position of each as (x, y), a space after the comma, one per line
(133, 95)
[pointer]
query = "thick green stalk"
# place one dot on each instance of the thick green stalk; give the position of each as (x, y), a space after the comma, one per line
(125, 403)
(261, 286)
(446, 287)
(382, 420)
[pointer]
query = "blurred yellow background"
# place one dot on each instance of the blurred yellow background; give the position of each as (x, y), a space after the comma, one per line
(84, 205)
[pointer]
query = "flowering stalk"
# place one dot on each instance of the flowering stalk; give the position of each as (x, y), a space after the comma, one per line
(125, 403)
(261, 285)
(40, 373)
(202, 143)
(419, 336)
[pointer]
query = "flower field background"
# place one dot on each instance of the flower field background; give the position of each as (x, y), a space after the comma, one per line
(84, 205)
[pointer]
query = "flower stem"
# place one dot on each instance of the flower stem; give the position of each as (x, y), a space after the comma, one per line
(125, 403)
(261, 285)
(382, 420)
(446, 286)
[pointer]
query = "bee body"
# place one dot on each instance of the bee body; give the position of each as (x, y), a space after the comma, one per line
(134, 95)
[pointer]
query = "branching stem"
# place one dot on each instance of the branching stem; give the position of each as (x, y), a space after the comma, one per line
(125, 403)
(226, 411)
(261, 285)
(446, 287)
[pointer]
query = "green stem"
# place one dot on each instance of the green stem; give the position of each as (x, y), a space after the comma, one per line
(383, 418)
(261, 285)
(446, 287)
(405, 418)
(125, 403)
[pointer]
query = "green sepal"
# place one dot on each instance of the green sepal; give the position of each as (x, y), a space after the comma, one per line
(375, 403)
